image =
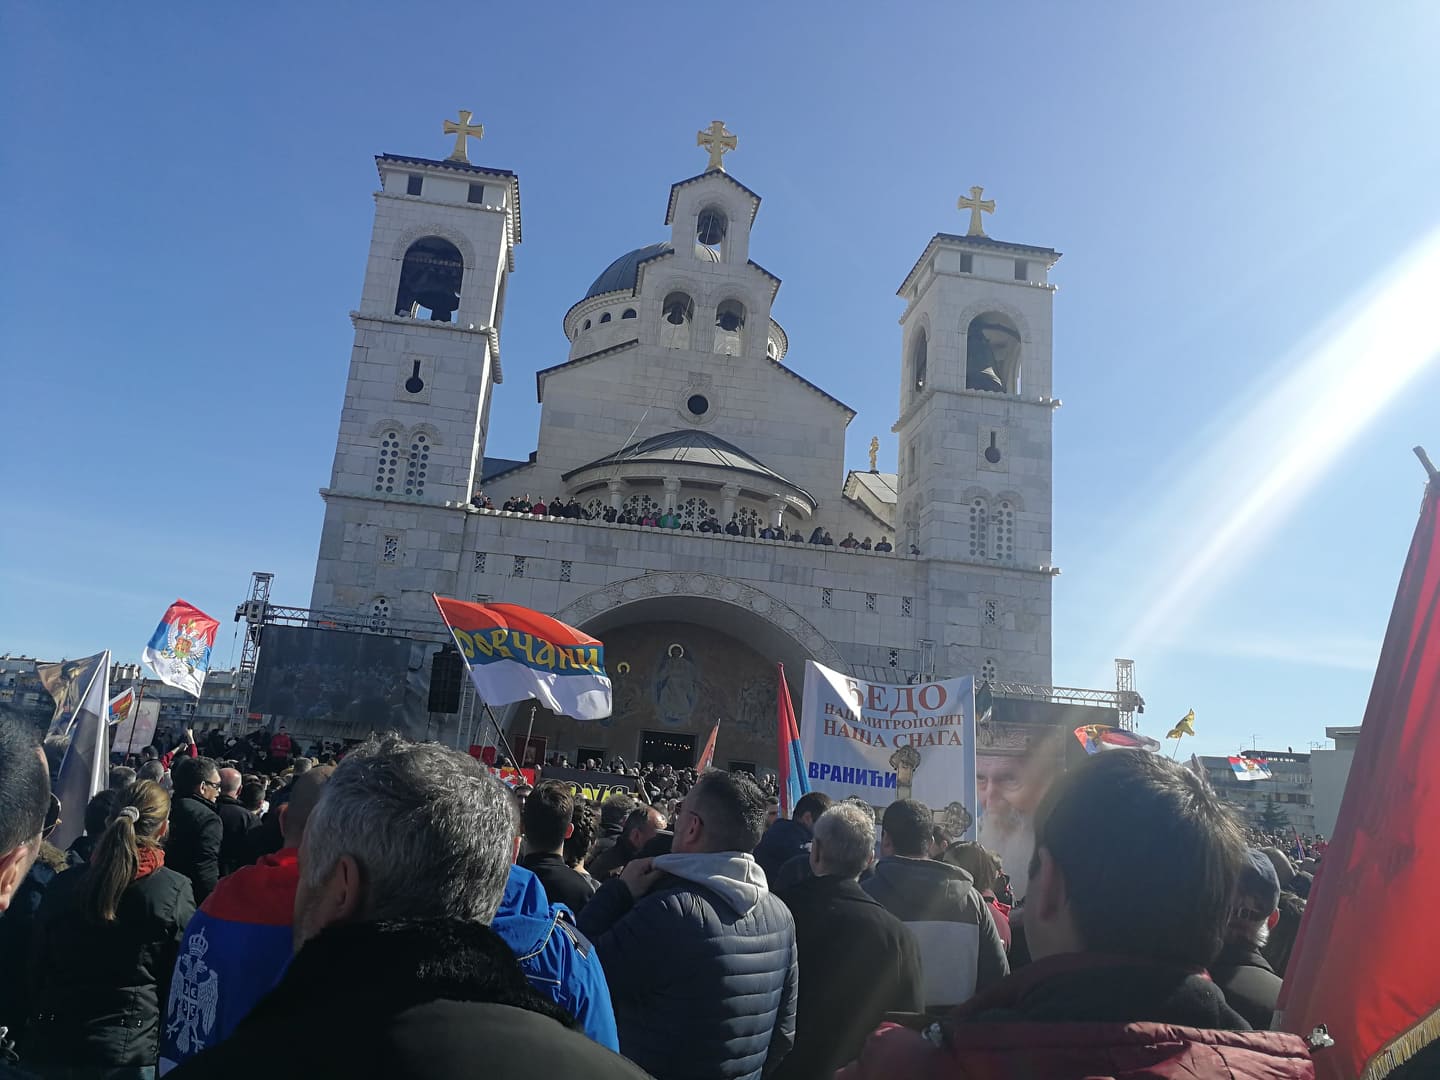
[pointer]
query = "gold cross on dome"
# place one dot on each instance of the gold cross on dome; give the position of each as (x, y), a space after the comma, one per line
(976, 206)
(718, 142)
(462, 131)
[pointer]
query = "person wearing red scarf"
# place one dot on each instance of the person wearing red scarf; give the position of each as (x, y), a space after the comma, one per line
(106, 938)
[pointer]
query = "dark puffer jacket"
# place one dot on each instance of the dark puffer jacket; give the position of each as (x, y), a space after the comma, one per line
(702, 969)
(782, 842)
(98, 987)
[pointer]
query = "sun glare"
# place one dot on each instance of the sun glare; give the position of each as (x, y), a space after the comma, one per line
(1251, 475)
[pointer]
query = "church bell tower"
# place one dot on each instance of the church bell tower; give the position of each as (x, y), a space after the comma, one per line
(426, 355)
(975, 432)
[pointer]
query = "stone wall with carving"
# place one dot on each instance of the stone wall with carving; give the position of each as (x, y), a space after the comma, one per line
(674, 678)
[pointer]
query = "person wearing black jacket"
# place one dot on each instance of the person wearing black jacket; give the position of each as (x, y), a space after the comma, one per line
(839, 931)
(235, 823)
(1250, 984)
(546, 821)
(193, 846)
(105, 943)
(790, 836)
(641, 825)
(398, 960)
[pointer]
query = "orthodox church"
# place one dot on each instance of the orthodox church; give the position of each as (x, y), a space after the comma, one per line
(679, 398)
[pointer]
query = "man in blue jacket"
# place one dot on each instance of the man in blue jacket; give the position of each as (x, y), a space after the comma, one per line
(699, 954)
(557, 959)
(791, 836)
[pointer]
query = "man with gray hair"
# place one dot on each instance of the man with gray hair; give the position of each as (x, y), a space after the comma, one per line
(841, 930)
(402, 866)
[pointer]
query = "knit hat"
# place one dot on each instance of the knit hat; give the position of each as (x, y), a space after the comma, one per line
(1258, 891)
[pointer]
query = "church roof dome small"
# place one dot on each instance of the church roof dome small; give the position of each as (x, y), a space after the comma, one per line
(625, 271)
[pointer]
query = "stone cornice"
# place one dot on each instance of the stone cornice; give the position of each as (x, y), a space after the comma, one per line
(489, 332)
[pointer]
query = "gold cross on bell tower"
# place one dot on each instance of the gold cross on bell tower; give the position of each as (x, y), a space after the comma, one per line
(718, 141)
(462, 131)
(976, 206)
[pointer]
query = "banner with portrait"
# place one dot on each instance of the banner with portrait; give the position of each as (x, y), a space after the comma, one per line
(887, 741)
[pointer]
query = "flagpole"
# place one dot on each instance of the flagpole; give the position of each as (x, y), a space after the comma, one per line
(528, 732)
(135, 718)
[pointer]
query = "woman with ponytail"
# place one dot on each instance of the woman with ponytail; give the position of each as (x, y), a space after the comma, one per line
(106, 939)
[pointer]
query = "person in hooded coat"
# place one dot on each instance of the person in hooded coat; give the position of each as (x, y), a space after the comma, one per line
(699, 954)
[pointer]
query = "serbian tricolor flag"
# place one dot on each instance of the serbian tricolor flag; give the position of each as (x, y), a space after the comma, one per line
(1246, 768)
(514, 653)
(118, 711)
(793, 781)
(707, 755)
(179, 650)
(1374, 982)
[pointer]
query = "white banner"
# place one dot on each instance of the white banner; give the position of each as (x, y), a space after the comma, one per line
(138, 729)
(882, 742)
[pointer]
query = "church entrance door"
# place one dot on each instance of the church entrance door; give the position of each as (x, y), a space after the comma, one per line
(667, 748)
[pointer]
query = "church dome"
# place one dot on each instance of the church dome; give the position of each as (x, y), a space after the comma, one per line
(623, 272)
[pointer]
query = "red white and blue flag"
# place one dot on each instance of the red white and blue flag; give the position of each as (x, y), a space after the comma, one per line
(118, 711)
(1249, 768)
(793, 781)
(514, 653)
(179, 650)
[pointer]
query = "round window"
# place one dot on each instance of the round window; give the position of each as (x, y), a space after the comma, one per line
(698, 404)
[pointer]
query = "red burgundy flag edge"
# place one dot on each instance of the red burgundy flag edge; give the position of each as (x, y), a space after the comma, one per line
(1373, 978)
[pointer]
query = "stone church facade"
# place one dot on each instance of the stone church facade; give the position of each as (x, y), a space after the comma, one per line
(678, 394)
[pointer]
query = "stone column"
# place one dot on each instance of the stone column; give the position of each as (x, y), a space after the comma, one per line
(617, 493)
(777, 509)
(672, 493)
(728, 494)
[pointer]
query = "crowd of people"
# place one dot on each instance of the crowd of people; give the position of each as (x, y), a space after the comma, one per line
(403, 913)
(657, 518)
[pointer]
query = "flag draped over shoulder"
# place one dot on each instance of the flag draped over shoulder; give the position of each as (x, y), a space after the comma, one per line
(514, 653)
(85, 770)
(1375, 983)
(179, 650)
(793, 781)
(67, 683)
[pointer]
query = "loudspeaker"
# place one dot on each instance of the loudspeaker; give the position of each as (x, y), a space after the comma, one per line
(447, 673)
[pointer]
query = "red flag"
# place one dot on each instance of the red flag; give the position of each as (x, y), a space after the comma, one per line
(707, 755)
(793, 780)
(1374, 982)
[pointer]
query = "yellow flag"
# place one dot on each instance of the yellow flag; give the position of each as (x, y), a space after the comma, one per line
(1186, 726)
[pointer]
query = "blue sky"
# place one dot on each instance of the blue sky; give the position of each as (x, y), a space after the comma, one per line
(188, 210)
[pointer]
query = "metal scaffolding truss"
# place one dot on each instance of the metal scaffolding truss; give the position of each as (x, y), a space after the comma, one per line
(355, 623)
(252, 611)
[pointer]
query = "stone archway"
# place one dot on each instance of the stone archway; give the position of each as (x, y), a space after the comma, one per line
(684, 650)
(716, 601)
